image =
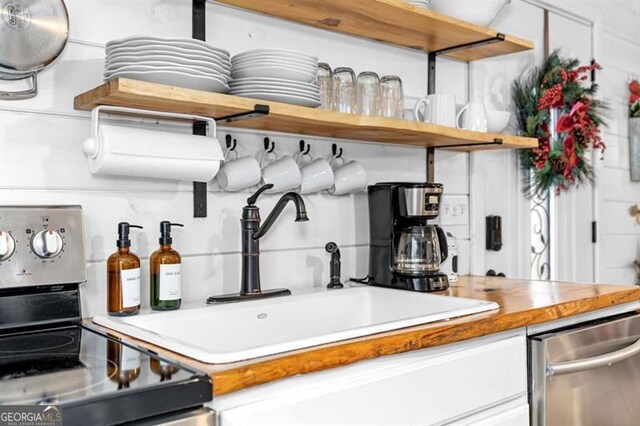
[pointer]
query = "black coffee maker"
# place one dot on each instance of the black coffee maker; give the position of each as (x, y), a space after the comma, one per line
(405, 251)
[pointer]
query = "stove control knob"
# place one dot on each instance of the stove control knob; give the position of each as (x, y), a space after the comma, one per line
(7, 246)
(46, 244)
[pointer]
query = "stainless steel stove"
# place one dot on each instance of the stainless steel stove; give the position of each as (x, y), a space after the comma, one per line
(47, 355)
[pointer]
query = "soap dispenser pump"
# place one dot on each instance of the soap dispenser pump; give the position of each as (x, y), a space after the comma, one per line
(166, 272)
(123, 276)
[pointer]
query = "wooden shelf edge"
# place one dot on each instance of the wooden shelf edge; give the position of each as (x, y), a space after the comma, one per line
(293, 119)
(390, 21)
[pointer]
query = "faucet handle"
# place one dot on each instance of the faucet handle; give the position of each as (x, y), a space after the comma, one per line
(252, 200)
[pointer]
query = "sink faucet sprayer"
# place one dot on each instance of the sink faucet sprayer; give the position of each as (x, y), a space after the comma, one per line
(251, 233)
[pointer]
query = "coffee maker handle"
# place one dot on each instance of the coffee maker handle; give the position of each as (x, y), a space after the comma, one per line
(442, 241)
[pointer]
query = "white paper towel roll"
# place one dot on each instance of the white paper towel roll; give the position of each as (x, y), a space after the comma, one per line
(128, 151)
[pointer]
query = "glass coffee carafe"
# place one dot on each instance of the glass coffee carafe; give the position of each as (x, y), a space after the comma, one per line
(419, 250)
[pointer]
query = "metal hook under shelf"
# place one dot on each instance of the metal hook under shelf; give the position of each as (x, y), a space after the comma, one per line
(269, 145)
(232, 143)
(334, 151)
(303, 144)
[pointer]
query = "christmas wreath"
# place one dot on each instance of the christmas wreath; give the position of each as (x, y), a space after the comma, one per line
(557, 88)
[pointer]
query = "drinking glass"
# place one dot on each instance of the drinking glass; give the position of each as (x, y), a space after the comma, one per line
(368, 93)
(343, 90)
(324, 84)
(391, 97)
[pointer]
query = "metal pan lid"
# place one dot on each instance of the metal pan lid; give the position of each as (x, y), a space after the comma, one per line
(33, 33)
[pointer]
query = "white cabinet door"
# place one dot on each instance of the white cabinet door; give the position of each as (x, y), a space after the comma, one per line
(518, 416)
(419, 388)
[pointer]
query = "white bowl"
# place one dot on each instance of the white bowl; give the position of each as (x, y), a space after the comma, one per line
(479, 12)
(497, 121)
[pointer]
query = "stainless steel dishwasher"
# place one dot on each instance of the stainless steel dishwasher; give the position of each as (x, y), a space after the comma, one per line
(587, 374)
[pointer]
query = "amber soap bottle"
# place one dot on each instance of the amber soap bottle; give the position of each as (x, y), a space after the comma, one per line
(166, 272)
(123, 276)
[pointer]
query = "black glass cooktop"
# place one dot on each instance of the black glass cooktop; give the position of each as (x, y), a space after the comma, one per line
(92, 376)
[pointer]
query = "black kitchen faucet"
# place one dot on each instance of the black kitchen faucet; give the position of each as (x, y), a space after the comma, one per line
(250, 288)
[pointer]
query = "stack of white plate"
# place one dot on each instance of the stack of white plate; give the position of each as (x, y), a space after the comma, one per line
(421, 3)
(188, 63)
(276, 75)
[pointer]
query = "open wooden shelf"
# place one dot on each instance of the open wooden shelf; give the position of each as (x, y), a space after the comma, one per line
(391, 21)
(291, 118)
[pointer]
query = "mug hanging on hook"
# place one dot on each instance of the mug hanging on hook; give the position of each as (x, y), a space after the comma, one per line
(269, 150)
(231, 143)
(349, 176)
(304, 147)
(316, 174)
(238, 173)
(337, 159)
(334, 150)
(282, 172)
(269, 145)
(304, 154)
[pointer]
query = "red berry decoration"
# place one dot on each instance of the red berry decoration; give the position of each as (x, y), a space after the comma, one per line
(634, 99)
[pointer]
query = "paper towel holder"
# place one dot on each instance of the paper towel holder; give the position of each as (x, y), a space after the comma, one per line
(91, 146)
(207, 125)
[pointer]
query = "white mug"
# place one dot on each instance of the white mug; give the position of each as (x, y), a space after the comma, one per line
(438, 109)
(239, 173)
(316, 174)
(474, 117)
(282, 172)
(497, 121)
(349, 178)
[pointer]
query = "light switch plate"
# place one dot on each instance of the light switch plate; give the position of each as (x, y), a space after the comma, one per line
(454, 210)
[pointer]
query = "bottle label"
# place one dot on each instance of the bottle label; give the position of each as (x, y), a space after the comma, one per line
(130, 283)
(171, 282)
(129, 358)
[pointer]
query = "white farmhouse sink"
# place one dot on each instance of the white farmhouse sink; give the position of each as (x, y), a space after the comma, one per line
(239, 331)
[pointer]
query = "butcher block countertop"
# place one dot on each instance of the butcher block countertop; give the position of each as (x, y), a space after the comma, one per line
(522, 303)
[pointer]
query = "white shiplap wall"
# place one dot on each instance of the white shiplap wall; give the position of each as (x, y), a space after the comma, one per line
(41, 159)
(620, 56)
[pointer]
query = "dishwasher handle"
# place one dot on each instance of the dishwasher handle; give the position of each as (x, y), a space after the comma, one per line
(569, 367)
